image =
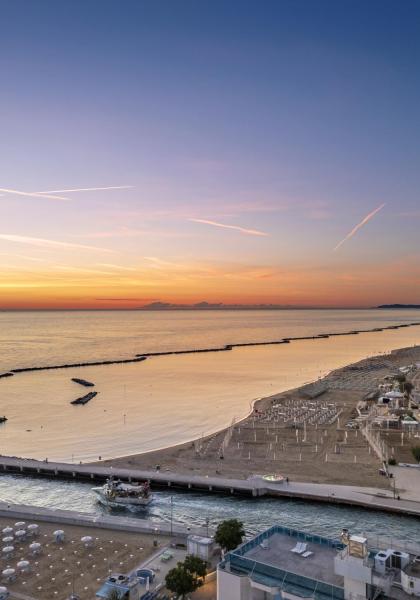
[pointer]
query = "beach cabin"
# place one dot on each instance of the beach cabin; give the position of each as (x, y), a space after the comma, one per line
(201, 546)
(127, 587)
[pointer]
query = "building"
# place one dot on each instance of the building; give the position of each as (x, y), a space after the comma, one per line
(285, 564)
(204, 547)
(128, 587)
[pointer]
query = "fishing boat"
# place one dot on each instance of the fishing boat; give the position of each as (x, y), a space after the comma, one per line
(116, 493)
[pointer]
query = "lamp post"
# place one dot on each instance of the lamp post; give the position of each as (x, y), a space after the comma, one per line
(172, 515)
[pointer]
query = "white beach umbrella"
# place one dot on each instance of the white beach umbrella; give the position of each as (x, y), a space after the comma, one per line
(8, 540)
(59, 535)
(35, 548)
(20, 524)
(20, 534)
(33, 529)
(24, 566)
(7, 531)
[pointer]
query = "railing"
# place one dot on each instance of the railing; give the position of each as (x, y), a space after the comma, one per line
(284, 580)
(293, 533)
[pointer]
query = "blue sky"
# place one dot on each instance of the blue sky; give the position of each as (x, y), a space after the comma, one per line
(295, 119)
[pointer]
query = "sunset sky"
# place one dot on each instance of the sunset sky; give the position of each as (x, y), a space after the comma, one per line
(245, 152)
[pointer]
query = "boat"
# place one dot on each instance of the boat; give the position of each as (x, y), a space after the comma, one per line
(84, 399)
(116, 493)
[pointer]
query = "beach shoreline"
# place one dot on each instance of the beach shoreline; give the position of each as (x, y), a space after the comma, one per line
(184, 457)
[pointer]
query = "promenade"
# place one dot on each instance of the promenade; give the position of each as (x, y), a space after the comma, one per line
(367, 497)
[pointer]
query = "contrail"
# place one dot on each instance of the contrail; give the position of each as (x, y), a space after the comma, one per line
(235, 227)
(32, 241)
(32, 194)
(359, 226)
(51, 194)
(93, 189)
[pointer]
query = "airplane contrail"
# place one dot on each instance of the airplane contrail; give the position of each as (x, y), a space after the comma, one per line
(32, 241)
(32, 194)
(51, 194)
(92, 189)
(359, 226)
(234, 227)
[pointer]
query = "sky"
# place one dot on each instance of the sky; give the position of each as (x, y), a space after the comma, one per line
(184, 151)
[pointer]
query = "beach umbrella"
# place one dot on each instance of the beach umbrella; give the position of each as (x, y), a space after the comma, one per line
(4, 594)
(35, 548)
(33, 529)
(87, 540)
(24, 566)
(20, 524)
(8, 551)
(58, 535)
(7, 531)
(20, 534)
(8, 540)
(9, 574)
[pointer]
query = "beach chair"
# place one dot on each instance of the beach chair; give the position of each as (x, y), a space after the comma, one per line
(307, 554)
(300, 548)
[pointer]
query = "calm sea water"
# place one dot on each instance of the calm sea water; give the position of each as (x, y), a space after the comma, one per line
(164, 400)
(171, 399)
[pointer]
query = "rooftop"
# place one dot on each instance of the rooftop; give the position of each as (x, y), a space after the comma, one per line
(268, 560)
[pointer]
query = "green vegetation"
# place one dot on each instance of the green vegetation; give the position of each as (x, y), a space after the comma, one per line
(187, 576)
(229, 534)
(416, 453)
(392, 461)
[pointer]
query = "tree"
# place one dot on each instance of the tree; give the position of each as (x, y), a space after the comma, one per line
(408, 387)
(181, 581)
(195, 565)
(416, 453)
(229, 534)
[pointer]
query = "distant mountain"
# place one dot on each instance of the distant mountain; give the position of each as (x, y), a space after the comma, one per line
(398, 306)
(213, 306)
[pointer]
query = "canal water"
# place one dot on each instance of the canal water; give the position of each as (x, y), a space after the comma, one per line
(193, 509)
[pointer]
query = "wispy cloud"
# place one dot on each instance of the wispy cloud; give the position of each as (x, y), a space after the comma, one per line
(359, 226)
(24, 256)
(117, 267)
(234, 227)
(32, 194)
(43, 243)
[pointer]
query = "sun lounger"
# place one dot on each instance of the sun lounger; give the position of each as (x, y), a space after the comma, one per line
(306, 554)
(165, 556)
(300, 548)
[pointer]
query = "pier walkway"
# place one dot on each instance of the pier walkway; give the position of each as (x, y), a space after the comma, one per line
(372, 498)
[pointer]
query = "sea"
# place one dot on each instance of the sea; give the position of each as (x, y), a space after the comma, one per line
(167, 400)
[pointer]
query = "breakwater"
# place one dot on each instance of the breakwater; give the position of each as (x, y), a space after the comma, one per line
(225, 348)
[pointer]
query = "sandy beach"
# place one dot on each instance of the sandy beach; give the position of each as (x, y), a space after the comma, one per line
(60, 566)
(325, 451)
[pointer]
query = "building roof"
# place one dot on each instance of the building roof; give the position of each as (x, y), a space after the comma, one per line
(268, 560)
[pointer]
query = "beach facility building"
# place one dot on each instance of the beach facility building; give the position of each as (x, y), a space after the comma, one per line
(128, 587)
(286, 564)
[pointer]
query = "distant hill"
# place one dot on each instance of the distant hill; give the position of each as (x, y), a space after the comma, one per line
(212, 306)
(398, 306)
